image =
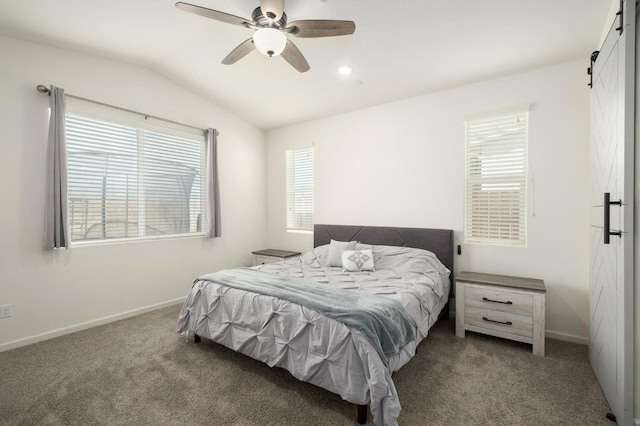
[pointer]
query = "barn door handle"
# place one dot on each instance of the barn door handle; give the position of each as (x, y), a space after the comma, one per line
(607, 217)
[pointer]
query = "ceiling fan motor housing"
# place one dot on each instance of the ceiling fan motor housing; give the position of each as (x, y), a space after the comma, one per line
(264, 21)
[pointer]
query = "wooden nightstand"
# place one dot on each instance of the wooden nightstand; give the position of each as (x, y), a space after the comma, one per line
(272, 255)
(502, 306)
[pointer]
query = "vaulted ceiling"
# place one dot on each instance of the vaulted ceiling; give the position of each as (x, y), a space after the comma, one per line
(400, 49)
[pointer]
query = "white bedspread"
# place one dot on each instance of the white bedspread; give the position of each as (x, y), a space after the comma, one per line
(317, 349)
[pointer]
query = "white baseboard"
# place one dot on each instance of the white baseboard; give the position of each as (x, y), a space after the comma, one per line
(581, 340)
(85, 325)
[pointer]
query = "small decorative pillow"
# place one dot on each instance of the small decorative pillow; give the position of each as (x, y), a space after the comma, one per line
(357, 260)
(335, 251)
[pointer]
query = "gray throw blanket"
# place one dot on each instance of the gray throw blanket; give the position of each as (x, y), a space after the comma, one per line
(382, 320)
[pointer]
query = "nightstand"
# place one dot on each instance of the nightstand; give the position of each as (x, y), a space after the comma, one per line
(501, 306)
(272, 255)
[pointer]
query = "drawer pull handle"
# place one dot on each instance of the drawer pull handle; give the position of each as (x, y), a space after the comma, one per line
(508, 302)
(498, 322)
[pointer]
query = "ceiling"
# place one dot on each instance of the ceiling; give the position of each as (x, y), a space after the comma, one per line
(400, 49)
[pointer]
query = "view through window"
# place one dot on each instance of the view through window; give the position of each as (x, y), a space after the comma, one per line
(129, 182)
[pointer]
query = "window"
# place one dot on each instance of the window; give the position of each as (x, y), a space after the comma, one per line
(130, 182)
(496, 179)
(300, 189)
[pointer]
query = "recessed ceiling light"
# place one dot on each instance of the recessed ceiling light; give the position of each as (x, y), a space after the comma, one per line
(345, 70)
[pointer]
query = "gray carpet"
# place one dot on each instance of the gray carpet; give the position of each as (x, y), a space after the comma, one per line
(140, 372)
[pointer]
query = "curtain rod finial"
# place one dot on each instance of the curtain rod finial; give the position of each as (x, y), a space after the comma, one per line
(43, 89)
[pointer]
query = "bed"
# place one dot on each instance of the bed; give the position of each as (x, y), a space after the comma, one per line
(369, 326)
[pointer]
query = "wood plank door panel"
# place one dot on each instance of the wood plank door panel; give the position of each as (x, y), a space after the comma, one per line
(611, 275)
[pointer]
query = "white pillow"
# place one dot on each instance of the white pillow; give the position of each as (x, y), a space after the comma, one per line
(357, 260)
(335, 251)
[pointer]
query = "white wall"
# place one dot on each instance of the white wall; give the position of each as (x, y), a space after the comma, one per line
(402, 164)
(54, 292)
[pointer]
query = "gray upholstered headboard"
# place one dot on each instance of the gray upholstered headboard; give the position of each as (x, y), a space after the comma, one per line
(438, 241)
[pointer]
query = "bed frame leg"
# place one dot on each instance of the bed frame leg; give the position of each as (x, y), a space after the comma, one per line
(362, 414)
(196, 338)
(445, 312)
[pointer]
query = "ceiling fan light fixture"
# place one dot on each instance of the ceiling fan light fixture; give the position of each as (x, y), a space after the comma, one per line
(269, 41)
(272, 30)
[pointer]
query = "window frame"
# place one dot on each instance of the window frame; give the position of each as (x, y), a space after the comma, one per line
(142, 125)
(496, 189)
(293, 219)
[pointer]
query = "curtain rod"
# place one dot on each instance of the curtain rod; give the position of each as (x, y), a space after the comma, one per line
(44, 89)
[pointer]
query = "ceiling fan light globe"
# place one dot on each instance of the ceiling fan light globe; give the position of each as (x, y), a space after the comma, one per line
(269, 41)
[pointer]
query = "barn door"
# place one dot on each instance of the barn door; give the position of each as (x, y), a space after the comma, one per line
(611, 245)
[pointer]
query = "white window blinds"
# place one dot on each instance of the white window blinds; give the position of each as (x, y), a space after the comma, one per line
(496, 179)
(131, 182)
(300, 189)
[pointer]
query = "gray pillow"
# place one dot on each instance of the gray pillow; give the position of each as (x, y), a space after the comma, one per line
(335, 251)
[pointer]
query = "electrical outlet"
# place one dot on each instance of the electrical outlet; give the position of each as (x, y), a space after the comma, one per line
(5, 311)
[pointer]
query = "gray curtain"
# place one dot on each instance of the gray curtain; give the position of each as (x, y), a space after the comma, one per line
(212, 227)
(56, 228)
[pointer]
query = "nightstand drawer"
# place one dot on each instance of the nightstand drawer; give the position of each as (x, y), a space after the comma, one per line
(497, 299)
(520, 325)
(262, 260)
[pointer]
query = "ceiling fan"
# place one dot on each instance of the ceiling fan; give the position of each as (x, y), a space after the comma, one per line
(270, 24)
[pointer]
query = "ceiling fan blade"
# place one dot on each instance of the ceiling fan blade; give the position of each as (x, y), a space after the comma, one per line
(213, 14)
(295, 58)
(272, 9)
(239, 52)
(321, 28)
